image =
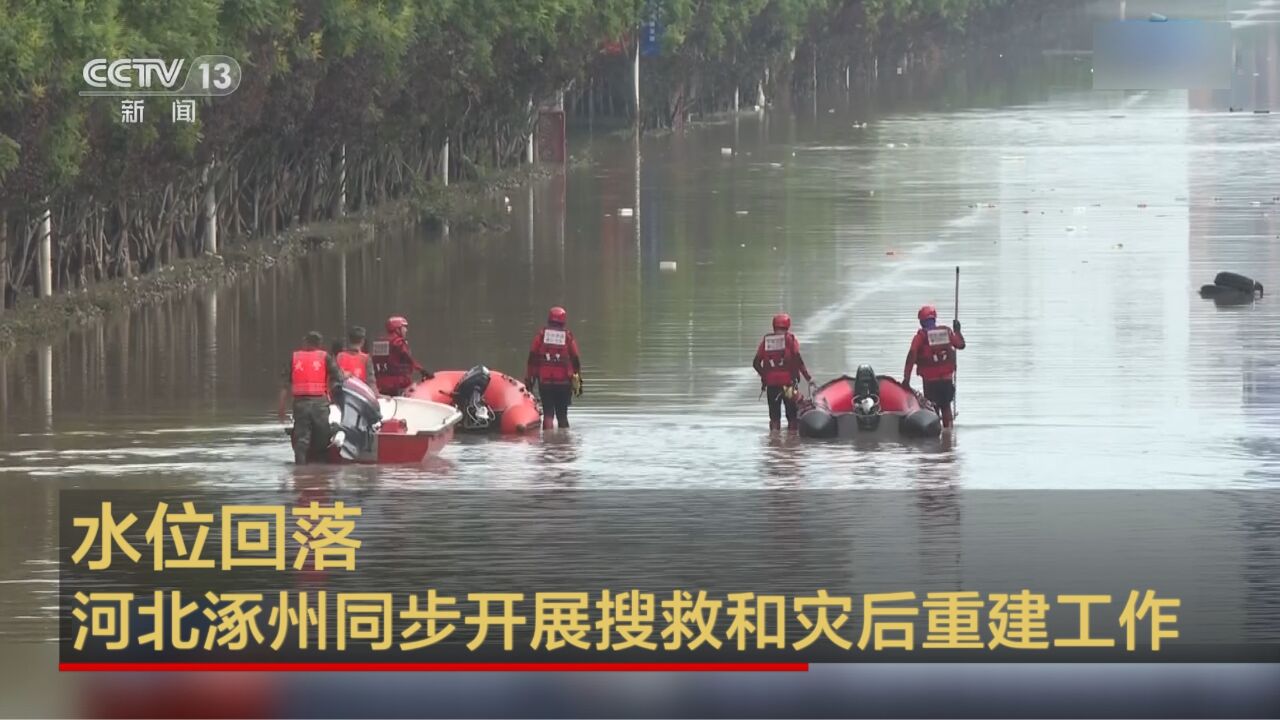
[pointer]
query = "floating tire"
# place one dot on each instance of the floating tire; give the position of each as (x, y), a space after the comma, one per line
(819, 424)
(1236, 281)
(921, 424)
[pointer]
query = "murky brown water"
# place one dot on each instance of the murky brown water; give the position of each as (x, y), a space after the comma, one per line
(1082, 223)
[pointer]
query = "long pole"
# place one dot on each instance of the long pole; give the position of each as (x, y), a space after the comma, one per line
(955, 316)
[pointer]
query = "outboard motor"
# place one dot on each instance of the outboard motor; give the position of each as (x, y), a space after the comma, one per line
(358, 419)
(468, 396)
(866, 398)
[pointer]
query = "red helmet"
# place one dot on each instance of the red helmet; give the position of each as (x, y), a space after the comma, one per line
(782, 321)
(395, 322)
(928, 312)
(557, 315)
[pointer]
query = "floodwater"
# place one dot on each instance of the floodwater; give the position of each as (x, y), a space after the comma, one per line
(1081, 223)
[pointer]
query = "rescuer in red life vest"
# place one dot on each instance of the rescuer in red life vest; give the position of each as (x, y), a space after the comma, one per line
(554, 364)
(933, 352)
(354, 361)
(780, 366)
(393, 362)
(312, 378)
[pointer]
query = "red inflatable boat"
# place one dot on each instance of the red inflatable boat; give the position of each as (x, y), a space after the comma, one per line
(489, 400)
(868, 404)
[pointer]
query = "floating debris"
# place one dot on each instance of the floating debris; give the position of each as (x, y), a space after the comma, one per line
(1071, 228)
(667, 266)
(726, 151)
(1118, 246)
(890, 252)
(891, 145)
(1142, 205)
(625, 212)
(740, 212)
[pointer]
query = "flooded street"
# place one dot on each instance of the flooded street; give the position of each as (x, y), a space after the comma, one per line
(1082, 223)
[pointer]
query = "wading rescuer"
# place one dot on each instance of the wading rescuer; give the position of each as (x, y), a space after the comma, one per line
(780, 366)
(555, 365)
(392, 361)
(354, 361)
(312, 378)
(933, 352)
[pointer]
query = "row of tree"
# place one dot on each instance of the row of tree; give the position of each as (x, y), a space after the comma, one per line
(345, 104)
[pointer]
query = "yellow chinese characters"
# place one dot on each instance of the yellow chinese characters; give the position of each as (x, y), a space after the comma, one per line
(250, 536)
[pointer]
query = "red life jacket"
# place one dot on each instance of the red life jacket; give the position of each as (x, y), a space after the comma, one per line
(778, 351)
(310, 374)
(935, 353)
(391, 365)
(555, 363)
(354, 363)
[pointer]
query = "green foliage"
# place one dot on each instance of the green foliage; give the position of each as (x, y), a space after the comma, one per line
(371, 73)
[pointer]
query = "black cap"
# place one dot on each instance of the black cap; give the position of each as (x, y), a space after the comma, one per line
(356, 334)
(314, 339)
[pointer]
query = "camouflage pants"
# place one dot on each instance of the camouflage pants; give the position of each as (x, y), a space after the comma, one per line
(310, 429)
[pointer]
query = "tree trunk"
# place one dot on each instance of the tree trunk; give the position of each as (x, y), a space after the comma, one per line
(44, 255)
(4, 264)
(210, 213)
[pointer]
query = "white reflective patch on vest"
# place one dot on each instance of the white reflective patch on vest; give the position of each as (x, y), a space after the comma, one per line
(938, 336)
(381, 347)
(553, 337)
(774, 343)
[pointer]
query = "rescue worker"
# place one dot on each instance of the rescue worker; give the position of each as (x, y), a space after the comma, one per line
(312, 378)
(780, 366)
(555, 365)
(354, 361)
(933, 352)
(392, 362)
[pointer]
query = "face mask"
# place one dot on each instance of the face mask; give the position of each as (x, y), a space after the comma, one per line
(928, 323)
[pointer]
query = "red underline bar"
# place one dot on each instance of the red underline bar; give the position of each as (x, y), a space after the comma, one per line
(430, 667)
